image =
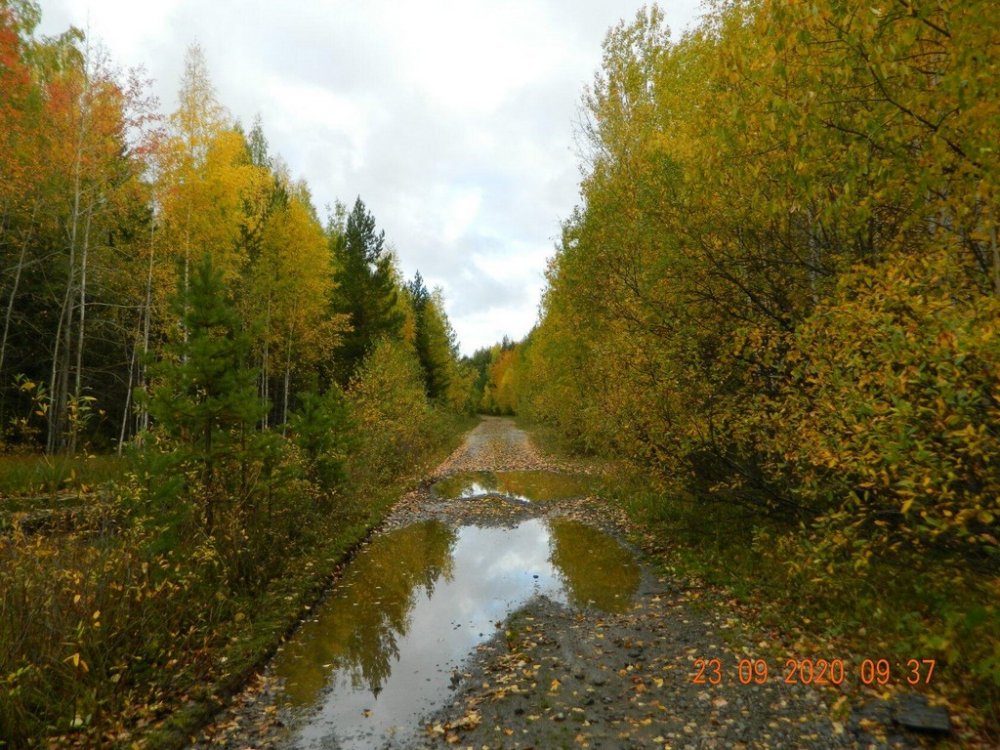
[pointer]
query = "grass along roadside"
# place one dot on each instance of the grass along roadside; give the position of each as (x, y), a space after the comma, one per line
(27, 479)
(549, 440)
(897, 609)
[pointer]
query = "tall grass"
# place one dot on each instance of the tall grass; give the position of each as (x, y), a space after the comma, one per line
(33, 475)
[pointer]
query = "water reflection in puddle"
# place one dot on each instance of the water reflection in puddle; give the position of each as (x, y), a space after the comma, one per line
(523, 486)
(415, 603)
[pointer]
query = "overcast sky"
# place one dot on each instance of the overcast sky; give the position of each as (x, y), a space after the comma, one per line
(453, 120)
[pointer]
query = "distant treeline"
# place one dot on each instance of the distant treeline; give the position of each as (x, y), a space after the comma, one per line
(491, 389)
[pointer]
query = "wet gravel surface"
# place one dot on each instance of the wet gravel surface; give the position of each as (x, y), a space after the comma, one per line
(557, 677)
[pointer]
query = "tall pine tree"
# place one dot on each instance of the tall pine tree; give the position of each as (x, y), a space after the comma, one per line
(366, 289)
(434, 344)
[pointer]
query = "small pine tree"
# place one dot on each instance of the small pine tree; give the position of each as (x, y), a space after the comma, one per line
(206, 401)
(320, 427)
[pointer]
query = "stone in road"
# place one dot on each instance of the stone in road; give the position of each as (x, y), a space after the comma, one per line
(555, 676)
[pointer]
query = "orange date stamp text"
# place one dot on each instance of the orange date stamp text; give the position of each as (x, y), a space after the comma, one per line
(809, 671)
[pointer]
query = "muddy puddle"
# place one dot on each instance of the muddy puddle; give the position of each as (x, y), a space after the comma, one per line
(519, 486)
(390, 642)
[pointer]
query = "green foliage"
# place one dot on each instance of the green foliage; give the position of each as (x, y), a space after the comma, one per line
(434, 341)
(168, 289)
(479, 365)
(140, 600)
(107, 629)
(321, 429)
(205, 400)
(366, 289)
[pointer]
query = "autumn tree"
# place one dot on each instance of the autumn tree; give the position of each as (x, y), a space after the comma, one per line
(292, 282)
(202, 175)
(388, 409)
(19, 112)
(776, 299)
(92, 193)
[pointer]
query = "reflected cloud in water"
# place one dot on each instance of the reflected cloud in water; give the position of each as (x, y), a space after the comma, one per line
(522, 486)
(414, 604)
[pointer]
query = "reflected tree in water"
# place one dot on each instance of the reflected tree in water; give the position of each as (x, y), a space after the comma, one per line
(370, 611)
(595, 568)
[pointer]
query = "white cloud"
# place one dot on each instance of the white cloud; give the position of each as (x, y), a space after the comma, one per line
(461, 214)
(453, 119)
(469, 56)
(517, 262)
(318, 116)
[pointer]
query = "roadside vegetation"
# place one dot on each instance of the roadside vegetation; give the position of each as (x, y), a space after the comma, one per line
(34, 478)
(208, 395)
(776, 308)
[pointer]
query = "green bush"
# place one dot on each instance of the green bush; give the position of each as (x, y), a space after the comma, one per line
(321, 429)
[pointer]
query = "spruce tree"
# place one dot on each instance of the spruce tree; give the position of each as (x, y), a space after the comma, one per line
(206, 401)
(366, 289)
(433, 343)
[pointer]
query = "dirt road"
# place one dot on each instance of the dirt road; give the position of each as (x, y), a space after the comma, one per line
(594, 648)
